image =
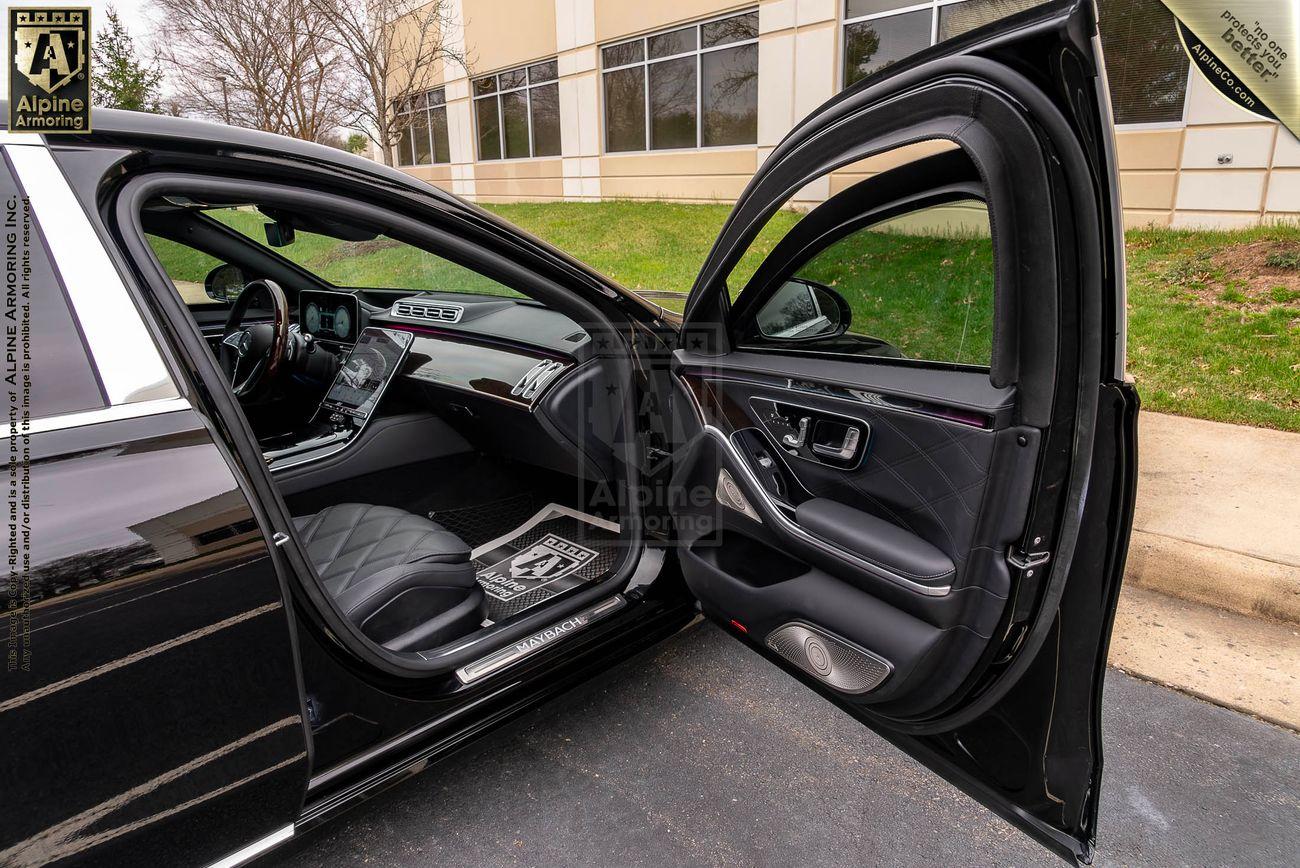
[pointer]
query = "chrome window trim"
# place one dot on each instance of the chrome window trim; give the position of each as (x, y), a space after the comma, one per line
(124, 353)
(116, 413)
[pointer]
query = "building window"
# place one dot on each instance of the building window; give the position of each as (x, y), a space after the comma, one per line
(518, 112)
(1145, 64)
(424, 130)
(692, 87)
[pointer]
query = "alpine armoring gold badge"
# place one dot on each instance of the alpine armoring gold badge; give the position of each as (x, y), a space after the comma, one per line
(49, 75)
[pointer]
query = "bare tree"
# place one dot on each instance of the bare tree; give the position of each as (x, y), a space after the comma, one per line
(253, 64)
(391, 48)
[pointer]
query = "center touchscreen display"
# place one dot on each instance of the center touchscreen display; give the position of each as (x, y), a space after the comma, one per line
(375, 359)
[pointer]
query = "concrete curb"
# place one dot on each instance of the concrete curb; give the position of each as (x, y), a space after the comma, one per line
(1216, 577)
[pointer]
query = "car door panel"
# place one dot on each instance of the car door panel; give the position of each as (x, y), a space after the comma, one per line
(852, 590)
(946, 582)
(163, 678)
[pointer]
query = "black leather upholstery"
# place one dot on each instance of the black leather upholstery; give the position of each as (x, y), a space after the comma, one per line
(875, 539)
(405, 580)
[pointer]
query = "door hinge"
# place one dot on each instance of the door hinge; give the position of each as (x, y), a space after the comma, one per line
(1023, 560)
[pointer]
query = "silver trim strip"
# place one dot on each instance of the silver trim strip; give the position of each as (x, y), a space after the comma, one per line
(252, 851)
(544, 638)
(116, 413)
(129, 363)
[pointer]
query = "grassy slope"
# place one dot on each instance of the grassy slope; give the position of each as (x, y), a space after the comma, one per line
(1196, 347)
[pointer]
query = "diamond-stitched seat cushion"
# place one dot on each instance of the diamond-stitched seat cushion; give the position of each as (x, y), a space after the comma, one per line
(407, 582)
(353, 541)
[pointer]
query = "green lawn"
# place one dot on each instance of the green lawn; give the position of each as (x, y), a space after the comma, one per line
(1214, 317)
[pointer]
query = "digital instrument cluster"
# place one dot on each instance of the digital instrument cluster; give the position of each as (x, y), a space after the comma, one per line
(330, 316)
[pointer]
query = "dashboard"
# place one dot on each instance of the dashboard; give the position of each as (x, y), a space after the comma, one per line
(507, 350)
(509, 375)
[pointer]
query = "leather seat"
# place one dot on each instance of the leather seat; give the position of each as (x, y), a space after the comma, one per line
(406, 581)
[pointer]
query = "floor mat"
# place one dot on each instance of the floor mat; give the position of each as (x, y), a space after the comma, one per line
(555, 550)
(486, 521)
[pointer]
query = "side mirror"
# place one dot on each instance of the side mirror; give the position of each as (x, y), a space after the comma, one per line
(224, 283)
(802, 310)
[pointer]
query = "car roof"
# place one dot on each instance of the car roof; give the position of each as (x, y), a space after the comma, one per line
(119, 124)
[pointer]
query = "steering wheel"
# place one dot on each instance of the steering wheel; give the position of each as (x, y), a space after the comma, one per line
(254, 357)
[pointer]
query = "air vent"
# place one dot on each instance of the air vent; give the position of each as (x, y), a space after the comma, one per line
(429, 311)
(531, 383)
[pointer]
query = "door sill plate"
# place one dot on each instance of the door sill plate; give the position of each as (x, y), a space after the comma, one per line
(543, 638)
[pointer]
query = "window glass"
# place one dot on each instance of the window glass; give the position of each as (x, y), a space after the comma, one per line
(62, 377)
(404, 147)
(627, 52)
(625, 109)
(870, 46)
(489, 129)
(546, 120)
(519, 129)
(705, 94)
(918, 286)
(422, 138)
(1145, 64)
(858, 8)
(922, 284)
(419, 131)
(672, 103)
(441, 143)
(729, 96)
(676, 42)
(485, 85)
(514, 115)
(377, 263)
(547, 70)
(962, 18)
(736, 29)
(512, 79)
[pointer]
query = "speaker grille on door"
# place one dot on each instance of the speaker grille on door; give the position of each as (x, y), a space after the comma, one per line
(843, 666)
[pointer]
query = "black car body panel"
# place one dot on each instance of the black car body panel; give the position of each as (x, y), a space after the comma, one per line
(161, 708)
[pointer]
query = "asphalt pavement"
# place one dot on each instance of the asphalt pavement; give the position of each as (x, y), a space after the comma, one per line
(700, 753)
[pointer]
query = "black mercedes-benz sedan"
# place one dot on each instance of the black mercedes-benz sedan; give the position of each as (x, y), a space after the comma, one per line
(317, 472)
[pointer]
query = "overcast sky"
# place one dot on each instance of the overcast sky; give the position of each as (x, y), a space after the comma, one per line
(134, 13)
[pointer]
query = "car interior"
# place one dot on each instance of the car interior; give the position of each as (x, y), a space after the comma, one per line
(449, 448)
(444, 442)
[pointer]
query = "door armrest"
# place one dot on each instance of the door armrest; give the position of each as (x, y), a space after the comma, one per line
(875, 540)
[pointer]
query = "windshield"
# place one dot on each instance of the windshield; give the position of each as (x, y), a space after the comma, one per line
(377, 263)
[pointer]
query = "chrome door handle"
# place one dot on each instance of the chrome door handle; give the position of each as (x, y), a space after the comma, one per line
(795, 441)
(845, 451)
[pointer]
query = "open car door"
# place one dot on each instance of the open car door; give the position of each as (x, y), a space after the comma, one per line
(929, 528)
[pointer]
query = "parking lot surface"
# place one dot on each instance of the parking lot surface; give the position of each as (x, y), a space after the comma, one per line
(698, 752)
